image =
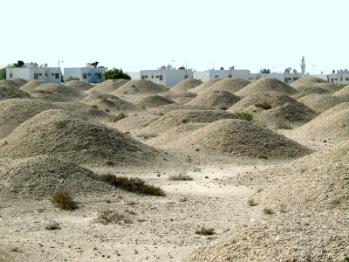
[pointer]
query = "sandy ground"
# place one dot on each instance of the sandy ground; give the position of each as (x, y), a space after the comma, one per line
(162, 228)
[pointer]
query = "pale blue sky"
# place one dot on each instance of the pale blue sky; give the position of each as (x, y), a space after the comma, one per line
(144, 34)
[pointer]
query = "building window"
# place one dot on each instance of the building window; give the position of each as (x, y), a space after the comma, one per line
(36, 76)
(160, 77)
(98, 75)
(46, 74)
(286, 80)
(216, 76)
(11, 75)
(57, 76)
(230, 76)
(186, 76)
(84, 75)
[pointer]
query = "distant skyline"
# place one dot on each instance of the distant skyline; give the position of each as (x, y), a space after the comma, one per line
(136, 34)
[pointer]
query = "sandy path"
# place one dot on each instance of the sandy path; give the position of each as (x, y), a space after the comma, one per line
(163, 229)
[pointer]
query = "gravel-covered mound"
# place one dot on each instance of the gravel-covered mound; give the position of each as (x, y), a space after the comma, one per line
(39, 177)
(307, 81)
(78, 85)
(242, 139)
(332, 124)
(180, 97)
(321, 102)
(215, 99)
(154, 101)
(29, 86)
(205, 85)
(309, 198)
(313, 82)
(287, 116)
(303, 91)
(12, 83)
(266, 85)
(62, 135)
(179, 117)
(56, 93)
(135, 87)
(107, 102)
(274, 110)
(231, 85)
(108, 86)
(185, 85)
(12, 92)
(15, 111)
(256, 102)
(343, 91)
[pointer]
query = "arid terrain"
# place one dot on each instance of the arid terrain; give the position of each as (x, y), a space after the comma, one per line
(226, 170)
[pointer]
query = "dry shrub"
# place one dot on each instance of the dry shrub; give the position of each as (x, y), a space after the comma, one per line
(135, 185)
(205, 231)
(63, 200)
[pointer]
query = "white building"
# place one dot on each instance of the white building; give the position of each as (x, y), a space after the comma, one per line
(167, 76)
(341, 76)
(32, 71)
(287, 77)
(88, 73)
(222, 73)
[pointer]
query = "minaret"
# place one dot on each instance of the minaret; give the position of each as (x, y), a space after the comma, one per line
(303, 66)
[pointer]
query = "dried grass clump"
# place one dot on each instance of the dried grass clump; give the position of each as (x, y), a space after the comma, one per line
(63, 200)
(135, 185)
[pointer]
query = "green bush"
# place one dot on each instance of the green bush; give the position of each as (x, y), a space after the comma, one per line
(2, 73)
(115, 74)
(246, 116)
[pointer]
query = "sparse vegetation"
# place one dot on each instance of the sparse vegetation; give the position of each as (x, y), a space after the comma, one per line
(118, 117)
(246, 116)
(264, 105)
(147, 135)
(2, 73)
(283, 208)
(63, 200)
(110, 217)
(53, 226)
(180, 177)
(71, 78)
(268, 211)
(205, 231)
(134, 185)
(60, 124)
(251, 202)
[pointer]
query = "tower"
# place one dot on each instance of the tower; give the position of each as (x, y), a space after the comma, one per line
(303, 66)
